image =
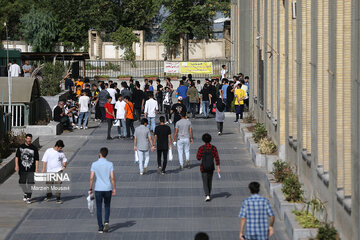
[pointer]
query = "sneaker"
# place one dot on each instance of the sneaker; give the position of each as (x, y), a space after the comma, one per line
(207, 199)
(181, 167)
(76, 126)
(100, 231)
(167, 123)
(131, 138)
(109, 138)
(235, 121)
(85, 128)
(106, 227)
(81, 127)
(28, 201)
(24, 197)
(159, 170)
(187, 163)
(59, 201)
(219, 133)
(141, 173)
(46, 199)
(145, 170)
(163, 173)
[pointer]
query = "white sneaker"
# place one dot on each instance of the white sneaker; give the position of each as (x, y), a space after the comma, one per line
(167, 123)
(219, 133)
(207, 199)
(28, 201)
(85, 128)
(81, 127)
(76, 126)
(24, 198)
(170, 121)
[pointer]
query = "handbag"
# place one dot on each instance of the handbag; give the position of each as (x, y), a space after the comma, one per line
(116, 123)
(170, 154)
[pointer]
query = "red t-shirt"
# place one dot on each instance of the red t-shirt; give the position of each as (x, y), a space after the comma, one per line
(110, 108)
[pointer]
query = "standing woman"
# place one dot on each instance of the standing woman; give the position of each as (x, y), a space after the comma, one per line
(207, 154)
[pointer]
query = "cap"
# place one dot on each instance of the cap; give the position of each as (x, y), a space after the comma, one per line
(180, 98)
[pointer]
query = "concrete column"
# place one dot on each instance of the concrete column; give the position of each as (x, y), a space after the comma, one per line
(355, 130)
(286, 60)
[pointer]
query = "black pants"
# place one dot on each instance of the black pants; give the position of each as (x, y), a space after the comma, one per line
(193, 109)
(160, 103)
(207, 182)
(138, 113)
(239, 111)
(228, 104)
(130, 126)
(97, 111)
(110, 123)
(167, 109)
(165, 154)
(26, 180)
(220, 126)
(246, 102)
(103, 113)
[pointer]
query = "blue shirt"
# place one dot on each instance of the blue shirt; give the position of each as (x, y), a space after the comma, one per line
(182, 91)
(151, 88)
(224, 90)
(102, 169)
(256, 210)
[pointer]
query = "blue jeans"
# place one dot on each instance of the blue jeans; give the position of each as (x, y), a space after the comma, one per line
(151, 123)
(84, 115)
(141, 155)
(205, 105)
(99, 196)
(122, 125)
(183, 144)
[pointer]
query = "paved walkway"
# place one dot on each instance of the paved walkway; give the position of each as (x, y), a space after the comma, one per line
(145, 207)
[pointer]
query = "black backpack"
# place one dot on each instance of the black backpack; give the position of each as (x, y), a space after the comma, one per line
(208, 160)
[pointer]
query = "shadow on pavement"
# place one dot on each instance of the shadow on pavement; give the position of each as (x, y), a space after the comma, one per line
(116, 226)
(221, 195)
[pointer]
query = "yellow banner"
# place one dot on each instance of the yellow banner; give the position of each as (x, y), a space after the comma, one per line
(196, 68)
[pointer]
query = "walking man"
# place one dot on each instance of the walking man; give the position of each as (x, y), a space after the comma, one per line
(142, 143)
(167, 104)
(105, 187)
(177, 109)
(102, 100)
(84, 102)
(120, 116)
(193, 96)
(150, 110)
(163, 142)
(54, 161)
(206, 98)
(255, 212)
(129, 117)
(184, 135)
(207, 153)
(110, 116)
(27, 163)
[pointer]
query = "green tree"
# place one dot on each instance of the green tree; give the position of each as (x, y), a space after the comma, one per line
(190, 19)
(39, 28)
(52, 75)
(124, 38)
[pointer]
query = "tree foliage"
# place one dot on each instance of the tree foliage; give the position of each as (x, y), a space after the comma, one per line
(193, 18)
(52, 75)
(39, 29)
(124, 38)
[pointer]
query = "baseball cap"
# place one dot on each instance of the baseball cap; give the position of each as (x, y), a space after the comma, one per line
(180, 98)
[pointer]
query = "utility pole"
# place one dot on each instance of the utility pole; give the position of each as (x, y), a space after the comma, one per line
(8, 68)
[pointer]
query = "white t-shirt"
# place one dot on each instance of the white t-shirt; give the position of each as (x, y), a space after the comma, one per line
(150, 107)
(223, 72)
(84, 103)
(245, 88)
(15, 70)
(120, 109)
(112, 93)
(54, 160)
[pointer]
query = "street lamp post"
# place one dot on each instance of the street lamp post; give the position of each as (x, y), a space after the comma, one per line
(8, 68)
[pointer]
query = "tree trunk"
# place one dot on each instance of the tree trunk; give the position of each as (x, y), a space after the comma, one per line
(186, 47)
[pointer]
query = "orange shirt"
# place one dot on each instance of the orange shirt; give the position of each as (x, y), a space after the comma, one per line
(79, 83)
(129, 109)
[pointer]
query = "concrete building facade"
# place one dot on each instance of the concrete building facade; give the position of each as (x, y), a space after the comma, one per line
(303, 60)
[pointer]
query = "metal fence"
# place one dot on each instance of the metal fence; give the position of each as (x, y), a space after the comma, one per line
(19, 114)
(115, 68)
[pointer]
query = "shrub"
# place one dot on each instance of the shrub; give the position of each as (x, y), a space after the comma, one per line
(267, 146)
(292, 188)
(151, 76)
(281, 170)
(101, 76)
(5, 146)
(327, 232)
(250, 118)
(307, 219)
(259, 132)
(112, 66)
(16, 140)
(124, 76)
(52, 75)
